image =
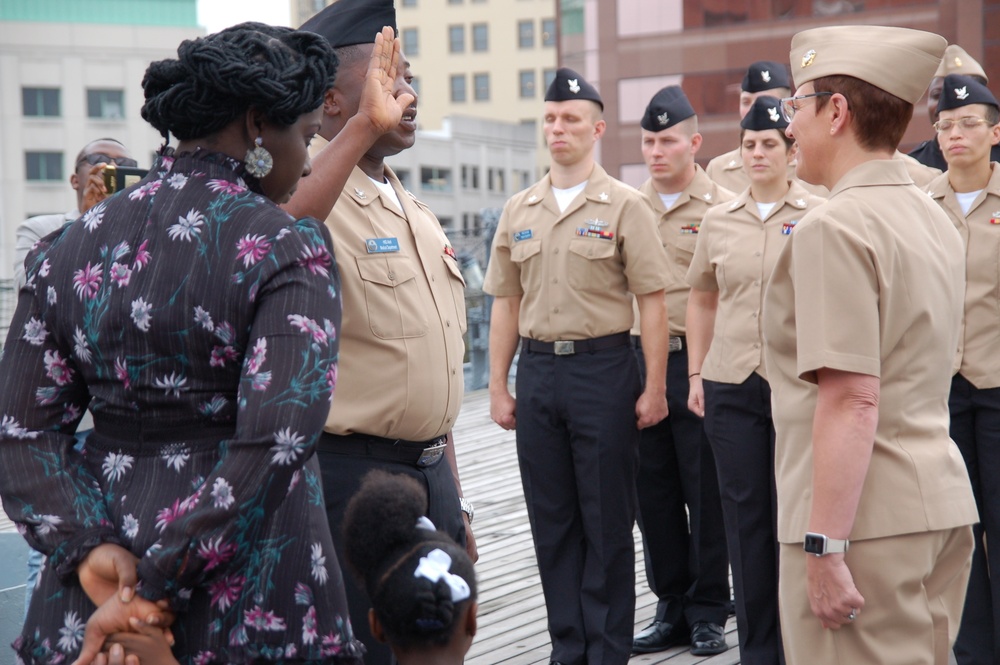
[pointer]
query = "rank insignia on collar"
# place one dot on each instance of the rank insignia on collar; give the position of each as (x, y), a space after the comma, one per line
(707, 197)
(732, 163)
(574, 85)
(532, 198)
(603, 196)
(360, 193)
(800, 203)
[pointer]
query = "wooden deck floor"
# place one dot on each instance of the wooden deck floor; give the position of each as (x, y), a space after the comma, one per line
(511, 611)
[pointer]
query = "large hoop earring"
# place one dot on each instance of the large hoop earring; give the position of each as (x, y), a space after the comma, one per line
(258, 160)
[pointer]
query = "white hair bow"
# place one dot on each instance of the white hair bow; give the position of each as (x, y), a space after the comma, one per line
(435, 567)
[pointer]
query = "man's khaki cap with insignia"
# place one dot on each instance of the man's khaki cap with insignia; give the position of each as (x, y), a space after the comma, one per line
(900, 61)
(957, 61)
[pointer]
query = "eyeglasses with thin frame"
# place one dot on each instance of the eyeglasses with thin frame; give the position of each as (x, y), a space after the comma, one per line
(966, 122)
(95, 158)
(788, 107)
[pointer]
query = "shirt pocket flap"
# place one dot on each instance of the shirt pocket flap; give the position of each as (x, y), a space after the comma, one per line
(384, 270)
(524, 250)
(592, 248)
(454, 269)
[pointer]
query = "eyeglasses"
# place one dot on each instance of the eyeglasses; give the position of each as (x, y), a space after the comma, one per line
(95, 158)
(788, 107)
(968, 122)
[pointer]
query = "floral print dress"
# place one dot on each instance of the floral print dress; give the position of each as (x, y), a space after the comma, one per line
(198, 322)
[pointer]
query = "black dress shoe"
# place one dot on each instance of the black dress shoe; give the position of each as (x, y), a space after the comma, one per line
(659, 636)
(707, 639)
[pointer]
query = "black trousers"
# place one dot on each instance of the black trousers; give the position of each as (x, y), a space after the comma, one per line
(680, 512)
(342, 476)
(975, 427)
(577, 449)
(739, 427)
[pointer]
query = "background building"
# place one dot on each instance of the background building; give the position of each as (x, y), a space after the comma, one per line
(632, 48)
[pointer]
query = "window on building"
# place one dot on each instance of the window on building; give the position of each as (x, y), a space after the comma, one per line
(40, 102)
(106, 104)
(571, 17)
(470, 176)
(526, 34)
(496, 180)
(409, 3)
(550, 76)
(456, 38)
(405, 178)
(482, 83)
(533, 124)
(435, 179)
(454, 2)
(43, 166)
(472, 224)
(458, 88)
(411, 41)
(524, 179)
(480, 37)
(446, 223)
(415, 84)
(526, 79)
(548, 32)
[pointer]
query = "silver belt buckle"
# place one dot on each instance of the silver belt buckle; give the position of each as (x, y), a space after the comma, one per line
(675, 344)
(563, 348)
(432, 454)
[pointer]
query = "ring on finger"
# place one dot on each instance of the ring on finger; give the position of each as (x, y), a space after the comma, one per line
(853, 615)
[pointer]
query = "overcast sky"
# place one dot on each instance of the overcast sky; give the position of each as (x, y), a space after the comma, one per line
(218, 14)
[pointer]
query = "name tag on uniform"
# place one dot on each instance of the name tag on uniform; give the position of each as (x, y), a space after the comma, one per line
(786, 228)
(690, 229)
(522, 235)
(382, 245)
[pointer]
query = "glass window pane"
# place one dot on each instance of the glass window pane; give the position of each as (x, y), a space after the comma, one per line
(550, 76)
(480, 37)
(43, 165)
(458, 88)
(435, 179)
(411, 41)
(527, 83)
(548, 32)
(526, 34)
(482, 82)
(106, 104)
(40, 102)
(456, 38)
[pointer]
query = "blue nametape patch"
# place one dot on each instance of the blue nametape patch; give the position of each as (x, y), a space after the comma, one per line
(522, 235)
(382, 245)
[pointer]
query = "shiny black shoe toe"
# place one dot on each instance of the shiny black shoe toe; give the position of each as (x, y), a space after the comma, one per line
(707, 639)
(659, 636)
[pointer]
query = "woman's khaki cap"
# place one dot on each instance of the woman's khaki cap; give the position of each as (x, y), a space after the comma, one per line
(900, 61)
(957, 61)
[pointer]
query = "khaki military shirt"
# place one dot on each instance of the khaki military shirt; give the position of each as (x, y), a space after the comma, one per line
(401, 347)
(727, 171)
(921, 174)
(978, 357)
(575, 270)
(735, 255)
(871, 282)
(679, 231)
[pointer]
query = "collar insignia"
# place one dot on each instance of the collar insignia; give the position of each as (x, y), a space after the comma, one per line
(360, 193)
(800, 203)
(707, 197)
(532, 198)
(603, 196)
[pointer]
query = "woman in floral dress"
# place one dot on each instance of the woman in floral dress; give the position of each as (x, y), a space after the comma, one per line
(198, 322)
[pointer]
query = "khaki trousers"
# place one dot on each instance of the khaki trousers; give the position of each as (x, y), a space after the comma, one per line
(914, 587)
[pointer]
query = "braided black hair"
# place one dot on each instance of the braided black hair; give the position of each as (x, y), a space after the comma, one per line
(279, 71)
(383, 547)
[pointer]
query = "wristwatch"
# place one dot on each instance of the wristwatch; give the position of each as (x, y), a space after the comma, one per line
(820, 545)
(467, 508)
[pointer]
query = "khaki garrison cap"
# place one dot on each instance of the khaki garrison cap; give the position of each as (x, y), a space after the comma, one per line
(957, 61)
(898, 60)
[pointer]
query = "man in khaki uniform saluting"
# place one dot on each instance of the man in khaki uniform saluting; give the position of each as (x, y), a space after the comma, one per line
(861, 323)
(970, 194)
(680, 513)
(400, 382)
(567, 252)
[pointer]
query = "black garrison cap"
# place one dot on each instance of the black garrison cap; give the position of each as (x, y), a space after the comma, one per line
(569, 85)
(350, 22)
(667, 107)
(961, 91)
(764, 114)
(765, 75)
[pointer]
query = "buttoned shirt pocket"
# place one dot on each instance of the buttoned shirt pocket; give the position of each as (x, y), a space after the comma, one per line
(525, 253)
(392, 296)
(457, 289)
(591, 264)
(682, 251)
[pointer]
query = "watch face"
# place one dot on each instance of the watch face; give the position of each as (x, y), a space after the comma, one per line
(814, 544)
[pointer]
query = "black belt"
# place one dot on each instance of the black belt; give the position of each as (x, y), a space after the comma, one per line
(676, 343)
(417, 453)
(572, 346)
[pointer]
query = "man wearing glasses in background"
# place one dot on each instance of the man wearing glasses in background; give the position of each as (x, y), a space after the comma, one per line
(88, 182)
(90, 191)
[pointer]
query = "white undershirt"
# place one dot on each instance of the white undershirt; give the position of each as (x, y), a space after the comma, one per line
(765, 208)
(387, 189)
(965, 200)
(670, 199)
(565, 196)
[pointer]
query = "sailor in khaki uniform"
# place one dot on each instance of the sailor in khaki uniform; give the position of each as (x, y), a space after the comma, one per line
(861, 323)
(970, 194)
(400, 381)
(738, 245)
(567, 253)
(680, 513)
